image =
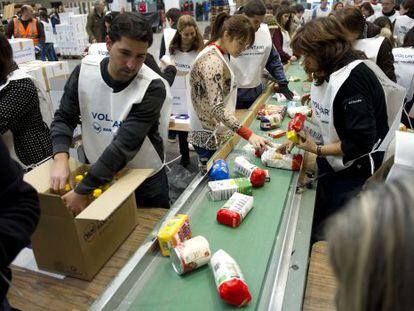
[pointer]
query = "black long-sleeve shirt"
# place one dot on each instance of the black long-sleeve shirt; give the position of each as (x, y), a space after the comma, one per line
(360, 114)
(19, 213)
(141, 122)
(40, 29)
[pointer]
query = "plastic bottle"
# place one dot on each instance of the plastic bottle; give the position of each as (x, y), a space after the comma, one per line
(96, 193)
(78, 179)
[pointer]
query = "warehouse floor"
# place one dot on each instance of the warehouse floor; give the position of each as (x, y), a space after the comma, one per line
(178, 176)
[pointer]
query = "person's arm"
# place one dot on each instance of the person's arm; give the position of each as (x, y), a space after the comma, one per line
(278, 43)
(162, 47)
(169, 72)
(140, 121)
(275, 67)
(89, 25)
(19, 211)
(10, 109)
(41, 32)
(10, 29)
(215, 75)
(385, 59)
(67, 116)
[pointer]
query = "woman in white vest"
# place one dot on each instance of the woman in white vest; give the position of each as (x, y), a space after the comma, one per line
(404, 68)
(182, 51)
(124, 107)
(357, 113)
(22, 126)
(214, 89)
(282, 35)
(405, 21)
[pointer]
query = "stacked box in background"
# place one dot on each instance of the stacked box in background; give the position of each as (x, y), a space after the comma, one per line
(45, 71)
(71, 37)
(23, 50)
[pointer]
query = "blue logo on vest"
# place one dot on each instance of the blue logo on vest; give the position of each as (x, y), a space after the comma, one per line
(97, 127)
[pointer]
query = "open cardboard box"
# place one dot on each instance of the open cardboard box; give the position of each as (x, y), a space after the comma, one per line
(79, 246)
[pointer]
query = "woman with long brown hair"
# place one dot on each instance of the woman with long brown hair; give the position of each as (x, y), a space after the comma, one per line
(182, 52)
(349, 106)
(282, 35)
(21, 122)
(214, 91)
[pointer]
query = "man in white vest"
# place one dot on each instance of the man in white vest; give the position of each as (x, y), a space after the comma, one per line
(124, 108)
(378, 49)
(172, 16)
(388, 10)
(249, 66)
(322, 10)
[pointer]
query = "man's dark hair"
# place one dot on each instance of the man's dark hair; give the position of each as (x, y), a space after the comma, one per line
(6, 58)
(254, 7)
(174, 14)
(132, 26)
(299, 8)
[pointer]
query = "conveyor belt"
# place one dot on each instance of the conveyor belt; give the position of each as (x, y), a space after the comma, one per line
(259, 245)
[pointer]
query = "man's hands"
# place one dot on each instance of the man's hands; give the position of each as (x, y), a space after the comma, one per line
(60, 172)
(284, 89)
(75, 202)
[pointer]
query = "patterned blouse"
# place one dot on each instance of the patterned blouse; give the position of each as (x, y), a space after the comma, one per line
(20, 113)
(210, 81)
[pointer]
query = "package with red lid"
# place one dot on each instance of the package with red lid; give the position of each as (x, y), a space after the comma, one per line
(235, 210)
(256, 175)
(229, 279)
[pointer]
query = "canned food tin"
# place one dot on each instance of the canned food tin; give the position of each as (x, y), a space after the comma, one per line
(190, 255)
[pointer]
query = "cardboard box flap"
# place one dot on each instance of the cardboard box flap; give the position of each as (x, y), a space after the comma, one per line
(108, 202)
(39, 178)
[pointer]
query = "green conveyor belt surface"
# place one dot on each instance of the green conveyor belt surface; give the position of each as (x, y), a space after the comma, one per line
(250, 244)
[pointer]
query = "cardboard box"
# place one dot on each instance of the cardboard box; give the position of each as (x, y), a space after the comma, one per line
(79, 246)
(48, 71)
(23, 50)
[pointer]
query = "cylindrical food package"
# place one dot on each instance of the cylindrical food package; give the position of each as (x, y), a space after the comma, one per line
(235, 210)
(229, 279)
(219, 170)
(256, 175)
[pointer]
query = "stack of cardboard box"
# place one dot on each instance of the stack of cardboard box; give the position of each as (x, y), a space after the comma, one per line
(71, 37)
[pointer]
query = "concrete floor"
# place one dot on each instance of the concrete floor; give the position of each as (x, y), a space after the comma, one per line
(178, 176)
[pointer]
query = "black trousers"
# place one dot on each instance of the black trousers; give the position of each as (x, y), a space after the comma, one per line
(334, 190)
(154, 192)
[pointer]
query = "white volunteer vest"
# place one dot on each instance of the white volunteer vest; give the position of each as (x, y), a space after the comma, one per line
(179, 90)
(370, 46)
(286, 42)
(248, 66)
(98, 49)
(391, 18)
(229, 101)
(404, 69)
(323, 96)
(320, 13)
(403, 24)
(103, 111)
(169, 34)
(46, 109)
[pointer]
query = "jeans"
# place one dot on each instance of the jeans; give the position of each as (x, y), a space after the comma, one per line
(48, 51)
(154, 191)
(204, 154)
